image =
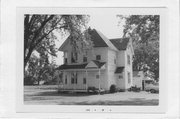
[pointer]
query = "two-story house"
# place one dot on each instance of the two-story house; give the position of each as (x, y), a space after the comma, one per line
(108, 62)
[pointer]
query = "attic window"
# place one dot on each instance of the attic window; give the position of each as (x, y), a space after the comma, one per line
(98, 57)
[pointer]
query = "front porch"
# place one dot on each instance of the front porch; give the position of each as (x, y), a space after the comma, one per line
(78, 79)
(81, 80)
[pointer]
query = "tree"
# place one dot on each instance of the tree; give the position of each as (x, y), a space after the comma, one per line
(145, 27)
(39, 69)
(144, 31)
(39, 32)
(31, 73)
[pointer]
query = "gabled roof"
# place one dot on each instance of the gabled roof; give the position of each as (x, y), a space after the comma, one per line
(98, 39)
(120, 43)
(64, 44)
(119, 69)
(98, 63)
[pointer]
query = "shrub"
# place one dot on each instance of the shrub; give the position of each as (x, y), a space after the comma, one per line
(113, 88)
(134, 89)
(121, 90)
(29, 80)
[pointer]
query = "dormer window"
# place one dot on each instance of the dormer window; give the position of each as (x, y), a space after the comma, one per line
(98, 57)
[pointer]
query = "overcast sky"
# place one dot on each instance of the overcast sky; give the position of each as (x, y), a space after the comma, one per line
(107, 24)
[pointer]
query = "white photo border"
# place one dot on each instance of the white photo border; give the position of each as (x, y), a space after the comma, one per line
(21, 108)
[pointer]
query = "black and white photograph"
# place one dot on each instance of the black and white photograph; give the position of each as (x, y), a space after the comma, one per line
(91, 59)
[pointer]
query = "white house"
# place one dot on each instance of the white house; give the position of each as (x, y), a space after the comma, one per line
(108, 62)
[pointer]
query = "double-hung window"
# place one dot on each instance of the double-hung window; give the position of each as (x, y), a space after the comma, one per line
(74, 57)
(65, 79)
(84, 59)
(84, 80)
(98, 57)
(74, 78)
(65, 58)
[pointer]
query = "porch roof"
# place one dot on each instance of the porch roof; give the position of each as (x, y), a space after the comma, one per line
(98, 63)
(119, 69)
(80, 66)
(74, 66)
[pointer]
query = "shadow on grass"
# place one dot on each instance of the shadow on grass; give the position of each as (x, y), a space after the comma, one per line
(152, 102)
(56, 93)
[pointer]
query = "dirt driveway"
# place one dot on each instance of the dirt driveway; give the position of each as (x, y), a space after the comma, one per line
(47, 95)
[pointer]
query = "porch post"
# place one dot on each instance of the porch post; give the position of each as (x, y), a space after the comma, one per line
(86, 79)
(74, 84)
(59, 79)
(63, 79)
(99, 80)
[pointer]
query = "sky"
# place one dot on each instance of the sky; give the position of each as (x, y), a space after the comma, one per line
(105, 23)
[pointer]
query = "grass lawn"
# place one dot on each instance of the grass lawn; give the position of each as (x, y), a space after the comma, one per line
(48, 95)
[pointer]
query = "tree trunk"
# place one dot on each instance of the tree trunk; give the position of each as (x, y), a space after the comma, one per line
(26, 58)
(38, 81)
